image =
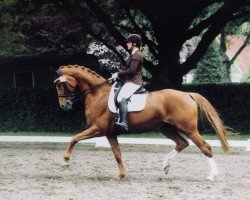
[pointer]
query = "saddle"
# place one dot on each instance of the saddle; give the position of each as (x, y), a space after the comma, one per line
(136, 102)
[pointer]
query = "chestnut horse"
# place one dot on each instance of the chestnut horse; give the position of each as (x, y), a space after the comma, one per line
(168, 110)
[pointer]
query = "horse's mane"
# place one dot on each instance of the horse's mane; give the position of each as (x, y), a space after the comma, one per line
(82, 68)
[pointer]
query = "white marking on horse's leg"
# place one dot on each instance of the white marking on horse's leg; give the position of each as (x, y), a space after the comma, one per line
(65, 163)
(213, 169)
(167, 159)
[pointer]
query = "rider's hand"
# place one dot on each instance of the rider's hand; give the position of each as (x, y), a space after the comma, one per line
(114, 76)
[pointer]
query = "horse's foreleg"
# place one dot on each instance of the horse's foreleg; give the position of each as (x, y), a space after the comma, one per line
(89, 133)
(117, 153)
(181, 143)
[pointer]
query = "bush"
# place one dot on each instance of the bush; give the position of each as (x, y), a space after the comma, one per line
(210, 69)
(37, 110)
(230, 100)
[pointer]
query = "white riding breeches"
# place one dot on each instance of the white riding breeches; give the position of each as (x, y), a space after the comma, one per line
(127, 90)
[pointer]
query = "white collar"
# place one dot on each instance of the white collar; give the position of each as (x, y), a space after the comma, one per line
(134, 50)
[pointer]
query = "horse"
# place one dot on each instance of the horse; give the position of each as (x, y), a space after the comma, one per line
(168, 111)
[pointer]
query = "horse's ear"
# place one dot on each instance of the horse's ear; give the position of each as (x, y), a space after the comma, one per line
(58, 73)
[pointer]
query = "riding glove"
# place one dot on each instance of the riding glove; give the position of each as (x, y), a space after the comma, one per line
(114, 76)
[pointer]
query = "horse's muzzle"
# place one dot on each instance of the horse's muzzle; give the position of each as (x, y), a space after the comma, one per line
(67, 106)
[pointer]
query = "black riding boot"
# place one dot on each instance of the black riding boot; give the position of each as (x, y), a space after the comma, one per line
(123, 112)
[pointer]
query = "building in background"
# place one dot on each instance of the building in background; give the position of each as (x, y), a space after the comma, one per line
(35, 70)
(241, 65)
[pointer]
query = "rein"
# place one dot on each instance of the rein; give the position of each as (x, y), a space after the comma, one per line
(79, 95)
(73, 97)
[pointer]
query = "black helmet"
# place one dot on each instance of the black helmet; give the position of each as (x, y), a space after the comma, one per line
(134, 38)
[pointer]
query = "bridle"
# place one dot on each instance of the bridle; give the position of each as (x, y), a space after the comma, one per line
(73, 97)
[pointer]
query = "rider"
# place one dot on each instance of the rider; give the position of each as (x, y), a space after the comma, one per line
(131, 75)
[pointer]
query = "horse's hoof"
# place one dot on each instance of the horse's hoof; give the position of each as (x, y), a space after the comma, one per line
(210, 178)
(119, 178)
(65, 164)
(166, 168)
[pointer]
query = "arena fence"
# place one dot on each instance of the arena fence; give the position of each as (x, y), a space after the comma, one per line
(103, 142)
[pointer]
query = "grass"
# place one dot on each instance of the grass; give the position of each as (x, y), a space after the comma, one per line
(155, 135)
(31, 133)
(205, 136)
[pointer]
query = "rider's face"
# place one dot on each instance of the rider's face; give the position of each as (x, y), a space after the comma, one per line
(129, 45)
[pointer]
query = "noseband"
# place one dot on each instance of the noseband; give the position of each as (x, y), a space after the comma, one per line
(73, 97)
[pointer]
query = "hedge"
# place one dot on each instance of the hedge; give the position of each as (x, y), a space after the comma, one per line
(38, 109)
(232, 101)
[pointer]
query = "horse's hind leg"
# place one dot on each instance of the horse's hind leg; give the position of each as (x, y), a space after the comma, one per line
(89, 133)
(117, 153)
(207, 151)
(181, 143)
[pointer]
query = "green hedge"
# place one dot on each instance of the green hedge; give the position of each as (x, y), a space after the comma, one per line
(232, 101)
(38, 109)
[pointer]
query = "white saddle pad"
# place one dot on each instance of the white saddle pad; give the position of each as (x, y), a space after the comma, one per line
(136, 102)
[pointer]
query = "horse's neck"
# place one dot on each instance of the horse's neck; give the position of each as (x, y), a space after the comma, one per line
(95, 84)
(88, 80)
(98, 99)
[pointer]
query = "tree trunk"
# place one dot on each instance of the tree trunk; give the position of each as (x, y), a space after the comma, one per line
(166, 76)
(225, 58)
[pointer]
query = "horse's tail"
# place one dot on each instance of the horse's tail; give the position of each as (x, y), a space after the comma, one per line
(208, 112)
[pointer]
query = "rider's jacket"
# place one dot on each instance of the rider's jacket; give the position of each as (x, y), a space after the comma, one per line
(131, 72)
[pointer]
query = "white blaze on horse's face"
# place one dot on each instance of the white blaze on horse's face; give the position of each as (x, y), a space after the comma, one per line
(64, 83)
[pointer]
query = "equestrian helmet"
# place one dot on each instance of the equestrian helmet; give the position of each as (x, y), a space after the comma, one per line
(134, 38)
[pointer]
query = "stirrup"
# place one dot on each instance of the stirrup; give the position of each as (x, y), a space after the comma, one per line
(122, 125)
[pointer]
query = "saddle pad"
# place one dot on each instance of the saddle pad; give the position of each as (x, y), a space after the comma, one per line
(136, 102)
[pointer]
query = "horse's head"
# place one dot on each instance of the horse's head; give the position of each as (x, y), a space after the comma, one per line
(72, 78)
(66, 86)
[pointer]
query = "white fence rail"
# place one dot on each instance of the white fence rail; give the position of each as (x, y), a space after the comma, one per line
(102, 141)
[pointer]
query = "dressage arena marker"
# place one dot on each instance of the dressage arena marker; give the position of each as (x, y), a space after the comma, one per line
(103, 142)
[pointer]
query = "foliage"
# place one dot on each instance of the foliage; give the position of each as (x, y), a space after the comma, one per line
(210, 69)
(239, 26)
(165, 26)
(37, 110)
(230, 100)
(207, 12)
(11, 37)
(49, 29)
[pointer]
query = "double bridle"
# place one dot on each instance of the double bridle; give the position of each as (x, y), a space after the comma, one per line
(73, 97)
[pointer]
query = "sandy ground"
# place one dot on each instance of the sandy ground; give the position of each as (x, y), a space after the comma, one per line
(33, 171)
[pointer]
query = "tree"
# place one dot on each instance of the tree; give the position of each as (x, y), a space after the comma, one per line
(49, 28)
(210, 69)
(167, 42)
(11, 38)
(165, 26)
